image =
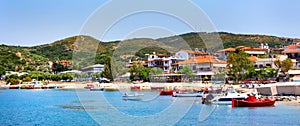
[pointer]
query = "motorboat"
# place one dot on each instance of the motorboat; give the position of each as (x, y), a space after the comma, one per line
(14, 87)
(226, 98)
(188, 94)
(166, 92)
(97, 89)
(134, 97)
(252, 101)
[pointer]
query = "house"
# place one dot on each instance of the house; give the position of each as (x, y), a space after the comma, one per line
(252, 51)
(187, 54)
(167, 64)
(203, 66)
(293, 52)
(262, 62)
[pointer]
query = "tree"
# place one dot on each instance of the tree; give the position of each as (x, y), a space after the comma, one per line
(26, 79)
(238, 63)
(284, 66)
(135, 69)
(187, 71)
(106, 72)
(251, 72)
(2, 70)
(156, 71)
(144, 74)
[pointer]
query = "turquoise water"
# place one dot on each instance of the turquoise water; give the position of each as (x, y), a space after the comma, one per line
(64, 107)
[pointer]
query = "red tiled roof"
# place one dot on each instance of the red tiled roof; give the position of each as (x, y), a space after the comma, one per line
(291, 51)
(253, 58)
(197, 60)
(292, 46)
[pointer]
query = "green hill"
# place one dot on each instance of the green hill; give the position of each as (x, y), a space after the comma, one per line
(38, 57)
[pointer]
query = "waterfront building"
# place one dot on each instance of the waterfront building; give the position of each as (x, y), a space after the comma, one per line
(293, 52)
(97, 68)
(262, 51)
(204, 66)
(167, 64)
(187, 54)
(262, 62)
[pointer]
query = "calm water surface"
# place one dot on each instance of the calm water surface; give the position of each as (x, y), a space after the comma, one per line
(64, 107)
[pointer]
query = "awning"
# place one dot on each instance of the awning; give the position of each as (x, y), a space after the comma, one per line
(255, 52)
(219, 65)
(294, 72)
(205, 73)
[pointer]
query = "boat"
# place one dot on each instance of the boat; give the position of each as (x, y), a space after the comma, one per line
(97, 89)
(135, 87)
(49, 87)
(166, 92)
(134, 97)
(29, 86)
(226, 98)
(89, 86)
(14, 87)
(187, 94)
(252, 101)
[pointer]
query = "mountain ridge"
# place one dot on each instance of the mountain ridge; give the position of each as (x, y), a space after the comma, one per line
(63, 49)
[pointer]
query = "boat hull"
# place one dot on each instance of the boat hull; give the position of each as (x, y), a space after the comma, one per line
(167, 92)
(14, 87)
(258, 103)
(187, 94)
(97, 89)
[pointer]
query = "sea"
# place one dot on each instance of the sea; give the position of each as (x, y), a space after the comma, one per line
(59, 107)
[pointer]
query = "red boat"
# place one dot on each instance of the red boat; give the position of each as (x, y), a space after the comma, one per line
(14, 87)
(135, 87)
(253, 102)
(166, 92)
(89, 86)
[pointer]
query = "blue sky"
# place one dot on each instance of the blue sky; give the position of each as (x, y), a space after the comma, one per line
(35, 22)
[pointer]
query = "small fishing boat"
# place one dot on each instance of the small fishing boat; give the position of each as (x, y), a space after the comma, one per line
(14, 87)
(166, 92)
(253, 102)
(187, 94)
(89, 86)
(97, 89)
(49, 87)
(29, 86)
(134, 97)
(135, 87)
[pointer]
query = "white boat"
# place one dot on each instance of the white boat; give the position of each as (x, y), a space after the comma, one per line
(226, 99)
(135, 96)
(187, 94)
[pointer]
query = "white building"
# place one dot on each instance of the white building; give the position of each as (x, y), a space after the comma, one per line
(93, 69)
(167, 64)
(187, 54)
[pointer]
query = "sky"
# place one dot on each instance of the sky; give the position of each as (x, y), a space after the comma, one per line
(36, 22)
